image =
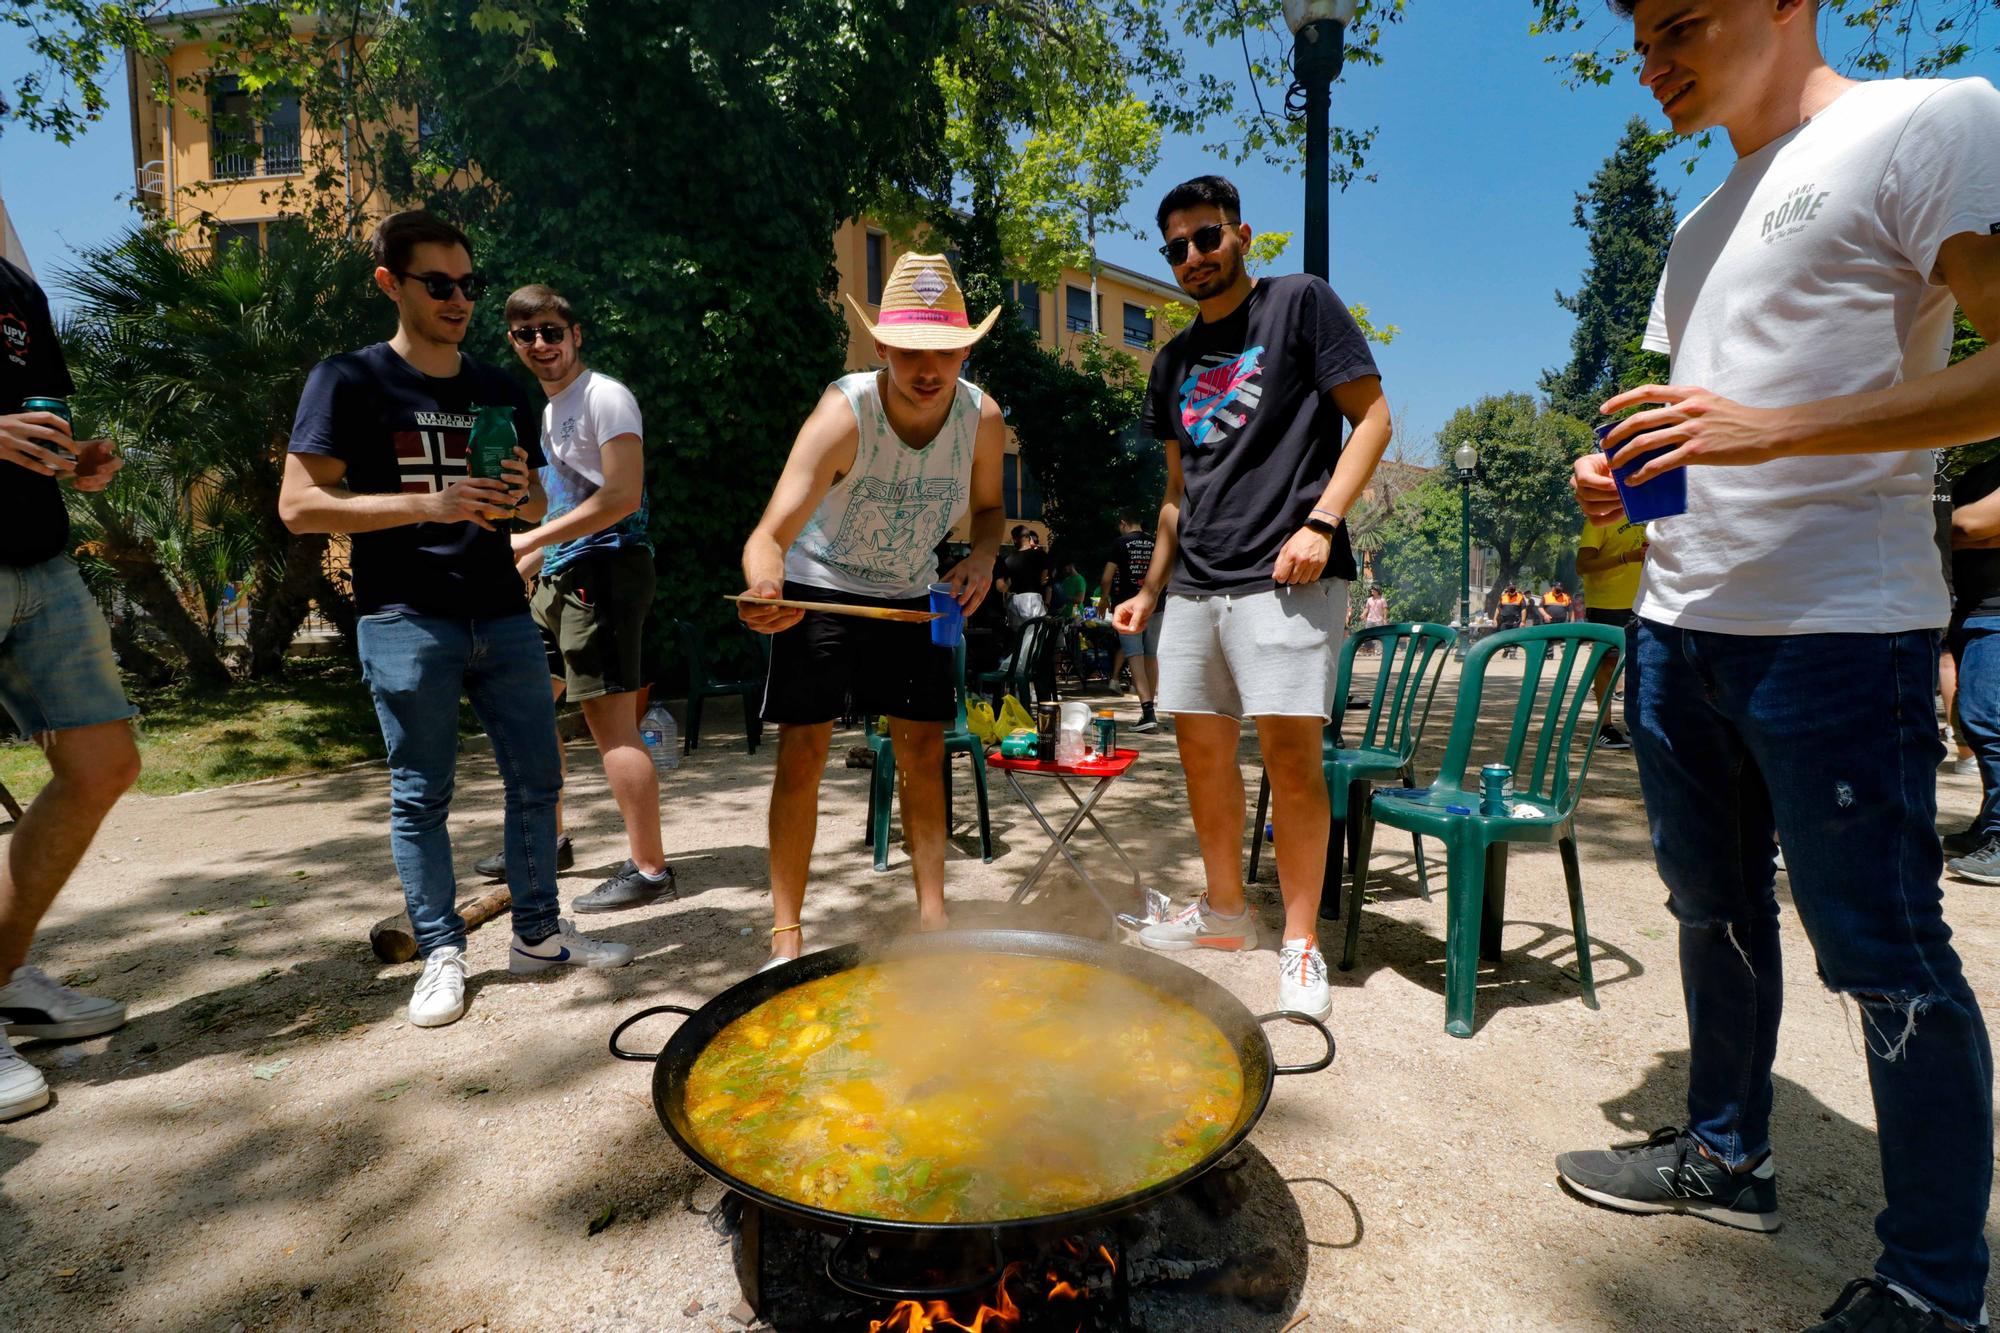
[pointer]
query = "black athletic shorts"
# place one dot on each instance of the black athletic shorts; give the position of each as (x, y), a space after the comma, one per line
(1621, 617)
(826, 660)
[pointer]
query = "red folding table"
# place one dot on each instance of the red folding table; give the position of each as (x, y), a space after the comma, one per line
(1106, 771)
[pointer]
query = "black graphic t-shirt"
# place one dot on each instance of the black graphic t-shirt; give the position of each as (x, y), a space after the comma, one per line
(1245, 399)
(31, 366)
(1131, 564)
(398, 429)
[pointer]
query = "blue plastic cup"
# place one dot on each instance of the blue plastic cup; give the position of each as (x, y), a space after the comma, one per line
(949, 627)
(1663, 497)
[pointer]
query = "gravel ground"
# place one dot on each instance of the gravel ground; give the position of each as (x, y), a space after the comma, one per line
(268, 1145)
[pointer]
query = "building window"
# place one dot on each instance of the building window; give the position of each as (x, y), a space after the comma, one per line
(282, 155)
(1078, 309)
(1029, 298)
(876, 244)
(241, 146)
(231, 234)
(231, 135)
(1020, 496)
(1138, 328)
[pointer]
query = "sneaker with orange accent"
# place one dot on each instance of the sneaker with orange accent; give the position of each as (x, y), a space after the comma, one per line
(1302, 987)
(1199, 926)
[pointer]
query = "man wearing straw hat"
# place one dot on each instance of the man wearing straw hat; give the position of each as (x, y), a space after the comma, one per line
(884, 467)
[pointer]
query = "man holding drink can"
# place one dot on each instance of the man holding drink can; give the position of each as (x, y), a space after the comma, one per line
(380, 449)
(1785, 649)
(58, 679)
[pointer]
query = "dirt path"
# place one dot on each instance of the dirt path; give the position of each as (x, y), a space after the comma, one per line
(268, 1146)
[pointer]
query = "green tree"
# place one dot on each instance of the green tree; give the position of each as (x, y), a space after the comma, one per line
(1630, 222)
(1522, 509)
(195, 362)
(1419, 560)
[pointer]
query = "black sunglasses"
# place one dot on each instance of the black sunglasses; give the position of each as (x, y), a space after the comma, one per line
(1206, 239)
(552, 334)
(439, 285)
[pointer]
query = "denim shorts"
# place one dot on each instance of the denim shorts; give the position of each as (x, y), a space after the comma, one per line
(1147, 642)
(56, 668)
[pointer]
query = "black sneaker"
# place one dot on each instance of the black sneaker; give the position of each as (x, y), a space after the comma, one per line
(1982, 866)
(495, 866)
(627, 888)
(1870, 1305)
(1147, 720)
(1668, 1173)
(1962, 843)
(1610, 738)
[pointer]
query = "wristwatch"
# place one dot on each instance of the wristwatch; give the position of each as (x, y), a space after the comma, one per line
(1314, 523)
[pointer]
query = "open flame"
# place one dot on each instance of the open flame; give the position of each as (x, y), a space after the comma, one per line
(936, 1317)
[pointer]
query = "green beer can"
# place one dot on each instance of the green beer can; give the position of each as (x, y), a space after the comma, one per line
(492, 443)
(58, 406)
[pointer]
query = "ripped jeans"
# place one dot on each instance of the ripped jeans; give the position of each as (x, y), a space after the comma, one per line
(1830, 743)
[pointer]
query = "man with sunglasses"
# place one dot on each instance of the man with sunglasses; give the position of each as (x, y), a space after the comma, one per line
(592, 561)
(378, 450)
(1252, 553)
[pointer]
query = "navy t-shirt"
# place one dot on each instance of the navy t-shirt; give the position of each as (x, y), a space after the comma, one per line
(1131, 564)
(31, 366)
(1245, 399)
(398, 429)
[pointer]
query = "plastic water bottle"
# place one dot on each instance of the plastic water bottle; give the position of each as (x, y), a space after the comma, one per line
(656, 728)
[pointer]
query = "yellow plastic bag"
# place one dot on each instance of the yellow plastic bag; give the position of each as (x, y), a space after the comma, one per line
(979, 720)
(1014, 716)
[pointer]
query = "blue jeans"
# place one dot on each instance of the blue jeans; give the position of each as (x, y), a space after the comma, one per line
(1829, 743)
(1976, 645)
(416, 666)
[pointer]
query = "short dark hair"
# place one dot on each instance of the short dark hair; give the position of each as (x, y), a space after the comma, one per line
(1210, 190)
(1019, 528)
(399, 233)
(536, 299)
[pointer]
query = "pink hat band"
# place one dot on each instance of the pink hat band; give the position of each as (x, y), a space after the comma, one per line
(955, 318)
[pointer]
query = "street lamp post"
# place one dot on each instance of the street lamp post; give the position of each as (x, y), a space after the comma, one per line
(1319, 49)
(1467, 460)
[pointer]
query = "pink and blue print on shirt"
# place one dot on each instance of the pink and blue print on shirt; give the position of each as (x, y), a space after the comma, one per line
(1221, 394)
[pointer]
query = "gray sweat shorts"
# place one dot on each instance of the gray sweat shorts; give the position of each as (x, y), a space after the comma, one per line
(1260, 654)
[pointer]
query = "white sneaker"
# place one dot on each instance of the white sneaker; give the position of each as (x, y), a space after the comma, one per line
(1302, 987)
(567, 945)
(22, 1087)
(31, 1005)
(773, 963)
(440, 994)
(1197, 926)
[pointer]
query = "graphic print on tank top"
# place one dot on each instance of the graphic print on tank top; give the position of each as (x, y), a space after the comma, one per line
(432, 456)
(887, 521)
(1220, 395)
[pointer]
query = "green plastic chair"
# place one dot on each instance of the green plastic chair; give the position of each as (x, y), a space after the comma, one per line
(958, 739)
(703, 684)
(1399, 708)
(1549, 759)
(1034, 641)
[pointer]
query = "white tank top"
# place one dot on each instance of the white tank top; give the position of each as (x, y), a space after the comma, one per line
(876, 532)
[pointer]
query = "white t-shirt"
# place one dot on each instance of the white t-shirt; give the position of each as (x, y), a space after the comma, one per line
(576, 424)
(1811, 273)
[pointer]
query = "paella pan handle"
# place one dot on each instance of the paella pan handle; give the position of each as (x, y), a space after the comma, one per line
(619, 1031)
(1297, 1017)
(851, 1280)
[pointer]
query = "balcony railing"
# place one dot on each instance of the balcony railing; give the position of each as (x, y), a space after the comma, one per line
(238, 157)
(153, 178)
(281, 152)
(235, 159)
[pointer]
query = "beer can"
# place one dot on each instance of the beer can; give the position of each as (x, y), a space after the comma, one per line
(1048, 720)
(1493, 780)
(1107, 733)
(59, 406)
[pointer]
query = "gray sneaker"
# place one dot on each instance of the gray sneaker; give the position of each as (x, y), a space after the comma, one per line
(1982, 866)
(31, 1005)
(566, 946)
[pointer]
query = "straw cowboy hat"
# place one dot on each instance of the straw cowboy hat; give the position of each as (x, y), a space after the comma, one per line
(922, 308)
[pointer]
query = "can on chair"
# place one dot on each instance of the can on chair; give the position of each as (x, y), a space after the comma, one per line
(1493, 780)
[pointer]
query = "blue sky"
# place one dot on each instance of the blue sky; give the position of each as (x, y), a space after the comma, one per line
(1462, 240)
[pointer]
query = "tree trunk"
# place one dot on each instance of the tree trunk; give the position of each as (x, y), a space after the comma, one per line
(135, 659)
(337, 606)
(146, 584)
(284, 595)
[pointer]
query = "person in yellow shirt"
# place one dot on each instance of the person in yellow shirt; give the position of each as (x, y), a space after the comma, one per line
(1610, 557)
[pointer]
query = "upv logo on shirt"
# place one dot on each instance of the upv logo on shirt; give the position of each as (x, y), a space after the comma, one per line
(1790, 218)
